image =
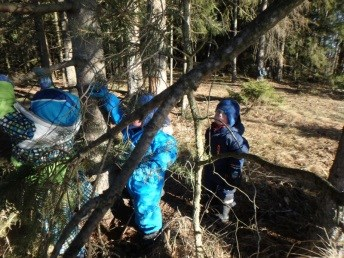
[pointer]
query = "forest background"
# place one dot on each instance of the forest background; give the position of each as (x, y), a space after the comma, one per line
(151, 44)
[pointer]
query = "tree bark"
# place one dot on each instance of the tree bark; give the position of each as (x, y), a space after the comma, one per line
(281, 46)
(187, 46)
(69, 71)
(135, 76)
(42, 43)
(155, 46)
(198, 175)
(235, 31)
(261, 48)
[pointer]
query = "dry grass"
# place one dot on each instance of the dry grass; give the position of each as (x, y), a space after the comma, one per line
(275, 217)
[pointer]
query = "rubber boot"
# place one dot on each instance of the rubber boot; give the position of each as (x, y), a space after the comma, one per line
(228, 203)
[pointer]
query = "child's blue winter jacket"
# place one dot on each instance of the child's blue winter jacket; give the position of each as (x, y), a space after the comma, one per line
(223, 139)
(146, 183)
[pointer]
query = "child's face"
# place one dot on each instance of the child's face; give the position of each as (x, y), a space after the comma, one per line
(220, 117)
(137, 123)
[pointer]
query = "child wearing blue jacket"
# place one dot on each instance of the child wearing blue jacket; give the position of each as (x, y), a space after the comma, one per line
(225, 135)
(42, 137)
(145, 185)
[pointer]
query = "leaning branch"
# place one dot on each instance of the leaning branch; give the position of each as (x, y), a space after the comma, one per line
(307, 177)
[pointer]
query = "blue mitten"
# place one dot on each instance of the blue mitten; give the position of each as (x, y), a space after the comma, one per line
(45, 83)
(108, 101)
(99, 91)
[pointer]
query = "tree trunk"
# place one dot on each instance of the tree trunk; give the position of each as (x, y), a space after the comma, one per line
(187, 46)
(69, 71)
(235, 30)
(280, 59)
(261, 48)
(89, 58)
(42, 41)
(59, 43)
(155, 46)
(198, 176)
(336, 177)
(135, 77)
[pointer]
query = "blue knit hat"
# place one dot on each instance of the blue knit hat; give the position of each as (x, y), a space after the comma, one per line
(56, 106)
(231, 109)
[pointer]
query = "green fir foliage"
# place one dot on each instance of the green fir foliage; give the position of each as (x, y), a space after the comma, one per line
(257, 92)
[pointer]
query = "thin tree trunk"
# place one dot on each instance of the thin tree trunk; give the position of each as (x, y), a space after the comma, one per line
(59, 43)
(42, 40)
(235, 30)
(198, 175)
(261, 47)
(280, 60)
(69, 71)
(156, 46)
(187, 46)
(135, 77)
(336, 178)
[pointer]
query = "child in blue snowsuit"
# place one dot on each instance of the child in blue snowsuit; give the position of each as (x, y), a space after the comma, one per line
(145, 185)
(225, 135)
(43, 135)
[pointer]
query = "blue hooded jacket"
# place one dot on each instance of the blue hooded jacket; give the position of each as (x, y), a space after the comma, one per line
(222, 139)
(146, 183)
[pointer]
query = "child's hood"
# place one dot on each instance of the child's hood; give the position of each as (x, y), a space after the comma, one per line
(232, 110)
(56, 106)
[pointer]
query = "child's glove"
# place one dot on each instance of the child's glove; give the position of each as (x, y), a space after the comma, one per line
(99, 91)
(45, 83)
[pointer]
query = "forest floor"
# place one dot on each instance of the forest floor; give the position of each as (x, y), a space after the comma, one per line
(275, 217)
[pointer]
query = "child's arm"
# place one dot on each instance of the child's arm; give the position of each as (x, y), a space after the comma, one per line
(235, 142)
(164, 154)
(108, 102)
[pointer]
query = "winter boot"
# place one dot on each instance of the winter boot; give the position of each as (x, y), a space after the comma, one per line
(228, 203)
